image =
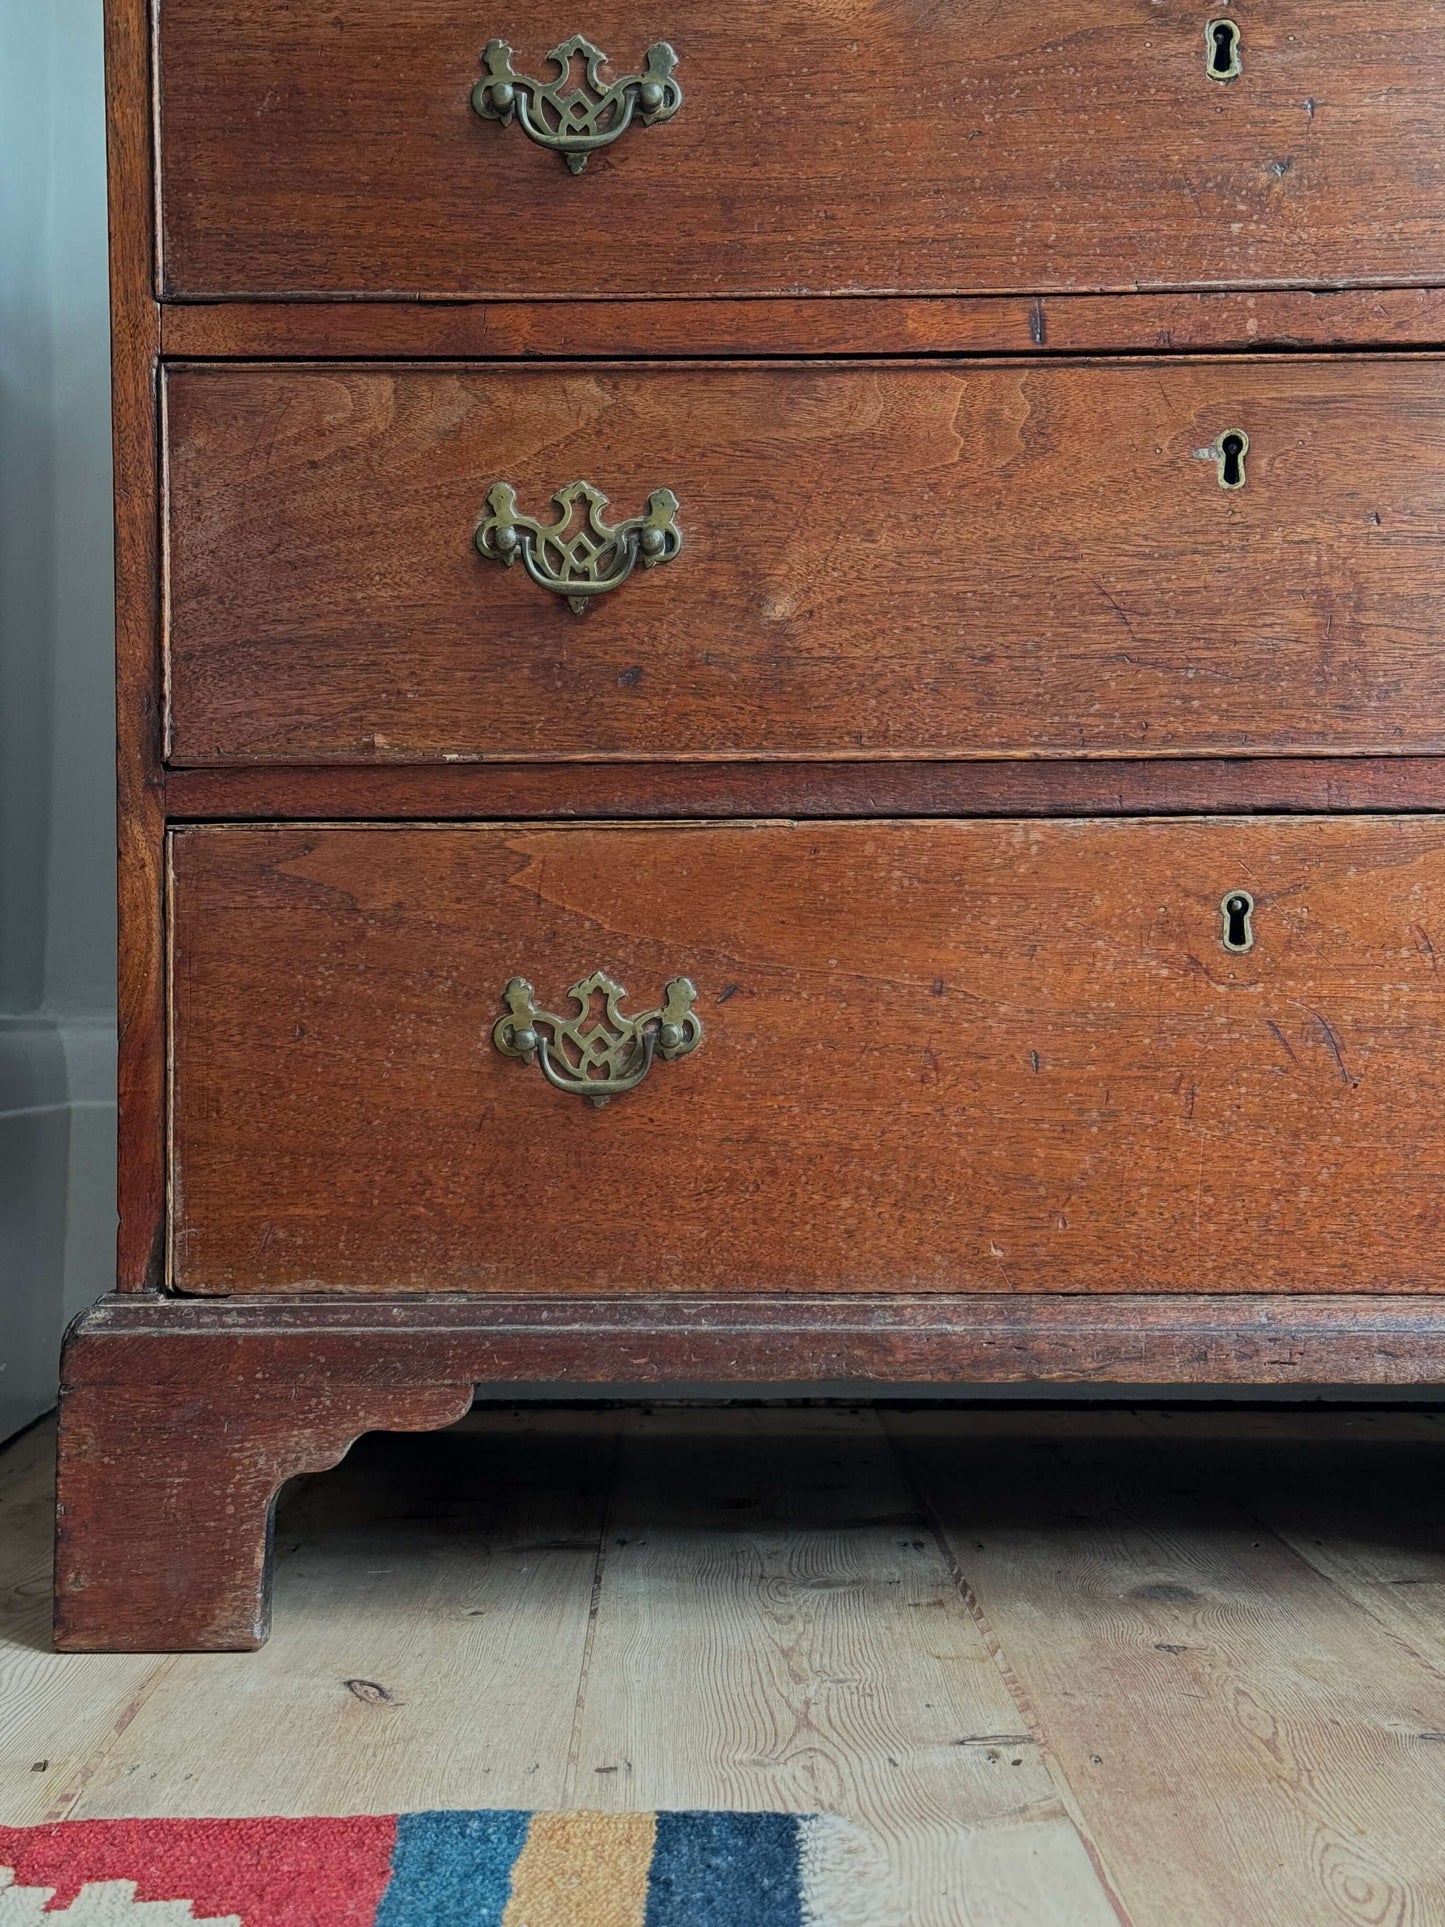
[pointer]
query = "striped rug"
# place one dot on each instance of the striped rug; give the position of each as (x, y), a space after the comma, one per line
(470, 1869)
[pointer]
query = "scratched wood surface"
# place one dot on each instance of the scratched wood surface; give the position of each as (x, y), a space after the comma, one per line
(1187, 1719)
(937, 1057)
(1112, 786)
(182, 1417)
(904, 147)
(140, 796)
(1319, 1488)
(878, 561)
(57, 1711)
(768, 1572)
(1195, 1677)
(1110, 324)
(466, 1567)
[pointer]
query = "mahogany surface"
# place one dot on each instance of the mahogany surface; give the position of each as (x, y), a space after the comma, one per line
(937, 1057)
(140, 795)
(891, 560)
(182, 1417)
(982, 1096)
(1107, 786)
(1056, 144)
(1282, 319)
(168, 1479)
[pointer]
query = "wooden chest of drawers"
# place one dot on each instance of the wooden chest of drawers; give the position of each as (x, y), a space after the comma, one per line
(782, 718)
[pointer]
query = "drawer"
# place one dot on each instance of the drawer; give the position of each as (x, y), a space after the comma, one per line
(934, 1057)
(876, 560)
(1051, 145)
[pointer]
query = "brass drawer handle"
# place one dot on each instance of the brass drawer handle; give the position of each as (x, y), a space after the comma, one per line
(599, 1053)
(576, 120)
(579, 555)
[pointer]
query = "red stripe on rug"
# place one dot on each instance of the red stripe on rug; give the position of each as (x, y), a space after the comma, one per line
(273, 1873)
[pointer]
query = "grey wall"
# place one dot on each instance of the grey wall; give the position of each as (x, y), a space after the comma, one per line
(57, 928)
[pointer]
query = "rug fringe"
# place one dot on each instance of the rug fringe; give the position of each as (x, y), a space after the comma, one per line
(844, 1876)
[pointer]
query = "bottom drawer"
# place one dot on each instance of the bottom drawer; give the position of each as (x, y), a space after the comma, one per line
(934, 1056)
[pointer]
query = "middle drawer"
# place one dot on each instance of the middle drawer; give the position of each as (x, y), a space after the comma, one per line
(805, 560)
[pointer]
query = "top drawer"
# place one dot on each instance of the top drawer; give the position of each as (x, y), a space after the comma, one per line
(901, 146)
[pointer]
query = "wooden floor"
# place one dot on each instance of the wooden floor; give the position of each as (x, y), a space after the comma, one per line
(1162, 1668)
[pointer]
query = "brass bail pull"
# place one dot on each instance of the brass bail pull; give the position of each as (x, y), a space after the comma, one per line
(599, 1053)
(581, 554)
(576, 117)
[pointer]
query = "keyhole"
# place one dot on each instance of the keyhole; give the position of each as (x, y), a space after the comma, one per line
(1237, 910)
(1229, 452)
(1221, 37)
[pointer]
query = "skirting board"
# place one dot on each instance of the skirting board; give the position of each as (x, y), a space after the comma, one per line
(57, 1196)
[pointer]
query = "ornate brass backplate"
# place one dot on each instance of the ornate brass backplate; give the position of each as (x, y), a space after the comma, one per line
(574, 119)
(579, 555)
(598, 1053)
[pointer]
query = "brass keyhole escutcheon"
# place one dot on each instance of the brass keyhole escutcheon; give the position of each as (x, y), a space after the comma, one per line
(1237, 913)
(1229, 453)
(1221, 41)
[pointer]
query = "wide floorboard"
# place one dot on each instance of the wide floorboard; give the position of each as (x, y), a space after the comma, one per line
(1145, 1666)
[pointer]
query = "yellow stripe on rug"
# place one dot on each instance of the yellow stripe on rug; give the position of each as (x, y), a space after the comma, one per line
(588, 1867)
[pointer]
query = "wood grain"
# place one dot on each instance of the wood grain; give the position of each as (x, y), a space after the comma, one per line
(54, 1715)
(768, 1608)
(434, 1604)
(844, 325)
(1196, 1680)
(1319, 1487)
(169, 1402)
(1113, 786)
(898, 1339)
(946, 1057)
(775, 1632)
(879, 561)
(334, 151)
(166, 1496)
(135, 349)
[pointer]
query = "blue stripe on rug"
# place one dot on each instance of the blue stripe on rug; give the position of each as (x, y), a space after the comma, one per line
(452, 1869)
(724, 1870)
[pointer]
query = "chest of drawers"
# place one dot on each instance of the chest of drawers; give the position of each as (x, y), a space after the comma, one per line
(782, 718)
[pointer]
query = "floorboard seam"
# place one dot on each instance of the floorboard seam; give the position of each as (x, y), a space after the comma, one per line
(69, 1799)
(594, 1608)
(1184, 1453)
(1016, 1688)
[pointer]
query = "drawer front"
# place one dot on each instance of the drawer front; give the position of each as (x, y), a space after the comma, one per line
(1053, 145)
(887, 560)
(949, 1057)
